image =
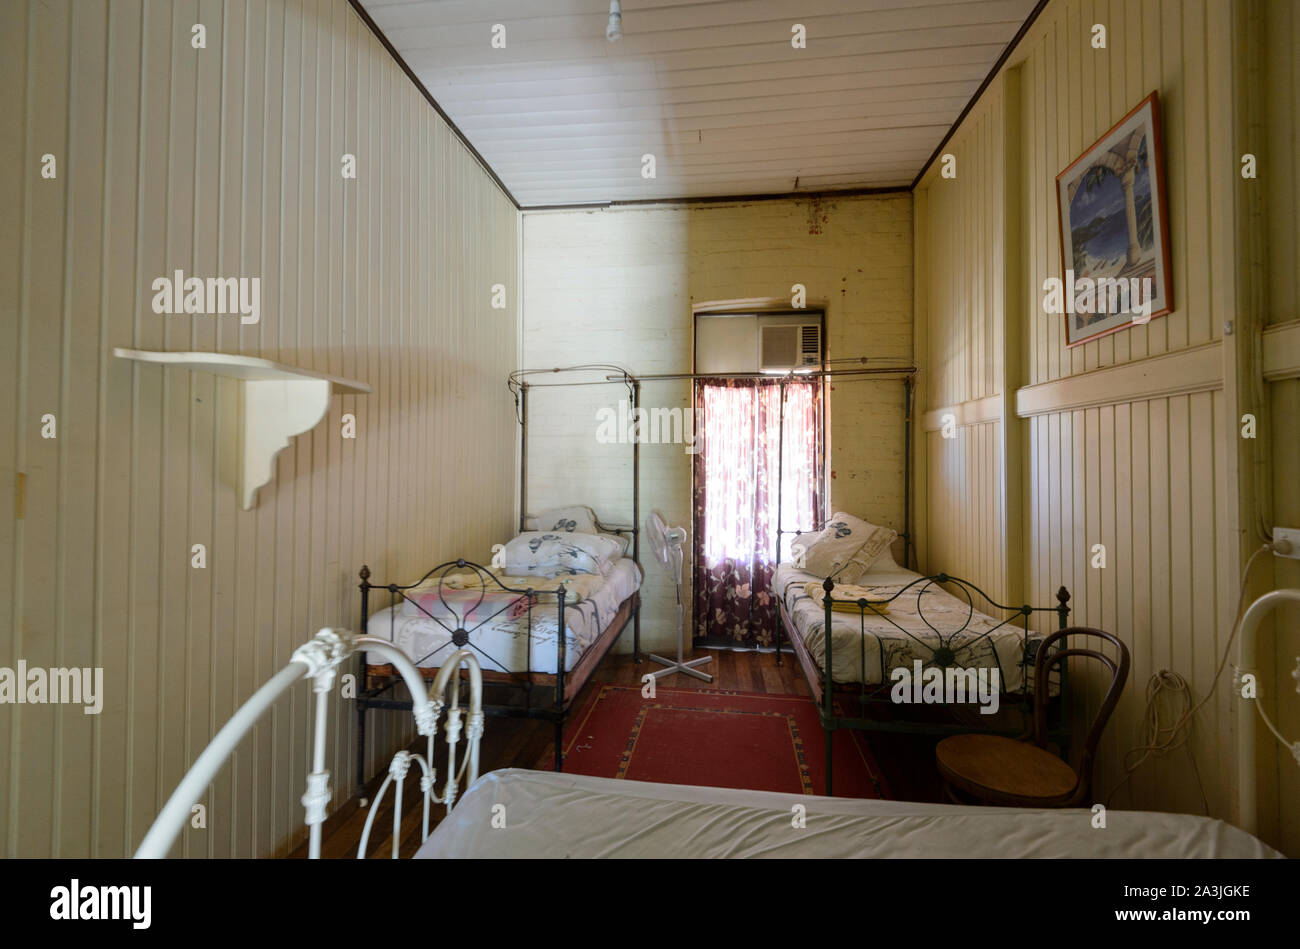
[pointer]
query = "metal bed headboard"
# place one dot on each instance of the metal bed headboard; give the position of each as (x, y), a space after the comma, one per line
(318, 660)
(1247, 813)
(905, 535)
(616, 375)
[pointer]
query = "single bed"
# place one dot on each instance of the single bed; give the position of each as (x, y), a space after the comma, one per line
(510, 624)
(913, 628)
(501, 631)
(892, 618)
(563, 815)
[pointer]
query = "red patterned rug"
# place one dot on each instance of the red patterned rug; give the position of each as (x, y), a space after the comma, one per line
(718, 739)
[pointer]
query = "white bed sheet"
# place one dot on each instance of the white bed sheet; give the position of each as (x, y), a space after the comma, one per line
(503, 644)
(564, 815)
(1002, 649)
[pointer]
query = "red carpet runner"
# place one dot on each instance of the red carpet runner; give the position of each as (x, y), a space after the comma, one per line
(715, 739)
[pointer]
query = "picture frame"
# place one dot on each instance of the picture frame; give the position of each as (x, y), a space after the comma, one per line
(1114, 229)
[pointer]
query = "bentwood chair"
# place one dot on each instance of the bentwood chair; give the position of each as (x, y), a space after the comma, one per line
(994, 769)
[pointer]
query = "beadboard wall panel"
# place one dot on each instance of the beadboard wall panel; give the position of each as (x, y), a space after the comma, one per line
(225, 161)
(964, 509)
(1150, 476)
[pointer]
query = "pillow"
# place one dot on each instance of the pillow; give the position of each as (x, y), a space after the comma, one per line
(623, 541)
(574, 519)
(550, 554)
(846, 548)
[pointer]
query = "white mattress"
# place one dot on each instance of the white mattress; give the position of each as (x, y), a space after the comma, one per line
(503, 644)
(885, 644)
(565, 815)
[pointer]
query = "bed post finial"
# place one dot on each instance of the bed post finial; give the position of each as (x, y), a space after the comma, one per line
(365, 573)
(1063, 611)
(828, 584)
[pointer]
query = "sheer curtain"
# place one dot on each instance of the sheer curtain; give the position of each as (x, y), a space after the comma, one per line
(738, 431)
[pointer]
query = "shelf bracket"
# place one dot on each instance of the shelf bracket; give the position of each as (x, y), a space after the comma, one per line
(276, 403)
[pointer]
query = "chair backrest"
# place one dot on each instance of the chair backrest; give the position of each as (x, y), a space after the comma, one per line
(1043, 663)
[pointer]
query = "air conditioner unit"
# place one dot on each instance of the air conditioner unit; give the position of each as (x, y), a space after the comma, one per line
(789, 346)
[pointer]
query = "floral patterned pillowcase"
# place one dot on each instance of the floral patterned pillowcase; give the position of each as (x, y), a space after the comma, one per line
(846, 548)
(550, 554)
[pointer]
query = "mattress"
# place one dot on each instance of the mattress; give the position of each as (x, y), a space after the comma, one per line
(885, 646)
(503, 642)
(564, 815)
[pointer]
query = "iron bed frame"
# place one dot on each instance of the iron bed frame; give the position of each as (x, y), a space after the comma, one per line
(942, 656)
(373, 696)
(825, 697)
(567, 684)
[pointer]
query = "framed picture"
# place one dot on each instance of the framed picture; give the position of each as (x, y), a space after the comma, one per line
(1115, 230)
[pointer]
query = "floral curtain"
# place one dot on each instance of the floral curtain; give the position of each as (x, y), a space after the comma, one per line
(736, 477)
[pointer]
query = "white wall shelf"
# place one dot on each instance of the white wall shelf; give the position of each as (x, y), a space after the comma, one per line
(276, 402)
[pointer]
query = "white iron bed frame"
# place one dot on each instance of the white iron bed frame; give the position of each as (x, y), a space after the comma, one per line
(1247, 816)
(318, 660)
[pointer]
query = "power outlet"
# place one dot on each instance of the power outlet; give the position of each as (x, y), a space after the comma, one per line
(1288, 534)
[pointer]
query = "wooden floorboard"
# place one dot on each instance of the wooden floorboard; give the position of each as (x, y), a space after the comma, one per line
(906, 760)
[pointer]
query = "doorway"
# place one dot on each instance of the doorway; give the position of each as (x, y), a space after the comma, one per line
(759, 475)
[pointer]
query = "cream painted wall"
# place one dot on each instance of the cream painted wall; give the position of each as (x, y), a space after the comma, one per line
(224, 161)
(618, 286)
(1130, 441)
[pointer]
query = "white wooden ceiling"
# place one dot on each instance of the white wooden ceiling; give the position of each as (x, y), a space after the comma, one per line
(714, 90)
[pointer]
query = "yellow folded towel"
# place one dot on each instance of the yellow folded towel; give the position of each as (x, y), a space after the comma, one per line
(844, 598)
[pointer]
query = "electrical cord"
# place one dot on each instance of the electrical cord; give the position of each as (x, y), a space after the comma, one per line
(1160, 740)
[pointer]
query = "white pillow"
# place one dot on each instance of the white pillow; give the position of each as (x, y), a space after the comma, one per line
(846, 548)
(884, 563)
(623, 541)
(551, 554)
(576, 518)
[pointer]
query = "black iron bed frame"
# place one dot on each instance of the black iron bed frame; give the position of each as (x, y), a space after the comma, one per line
(942, 654)
(373, 696)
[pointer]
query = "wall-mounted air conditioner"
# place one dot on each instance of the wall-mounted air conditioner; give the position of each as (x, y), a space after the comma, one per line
(789, 346)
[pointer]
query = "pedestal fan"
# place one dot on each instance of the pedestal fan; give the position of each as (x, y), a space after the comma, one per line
(666, 544)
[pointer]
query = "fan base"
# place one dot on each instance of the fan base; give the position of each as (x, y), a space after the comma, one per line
(676, 665)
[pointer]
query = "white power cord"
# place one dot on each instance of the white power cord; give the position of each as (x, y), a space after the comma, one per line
(1177, 735)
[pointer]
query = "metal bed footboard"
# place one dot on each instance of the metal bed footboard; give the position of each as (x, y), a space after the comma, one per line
(943, 652)
(319, 660)
(555, 711)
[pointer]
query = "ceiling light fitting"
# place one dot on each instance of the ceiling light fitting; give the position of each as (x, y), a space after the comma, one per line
(614, 29)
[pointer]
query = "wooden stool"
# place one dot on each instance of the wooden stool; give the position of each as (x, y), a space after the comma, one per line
(1002, 771)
